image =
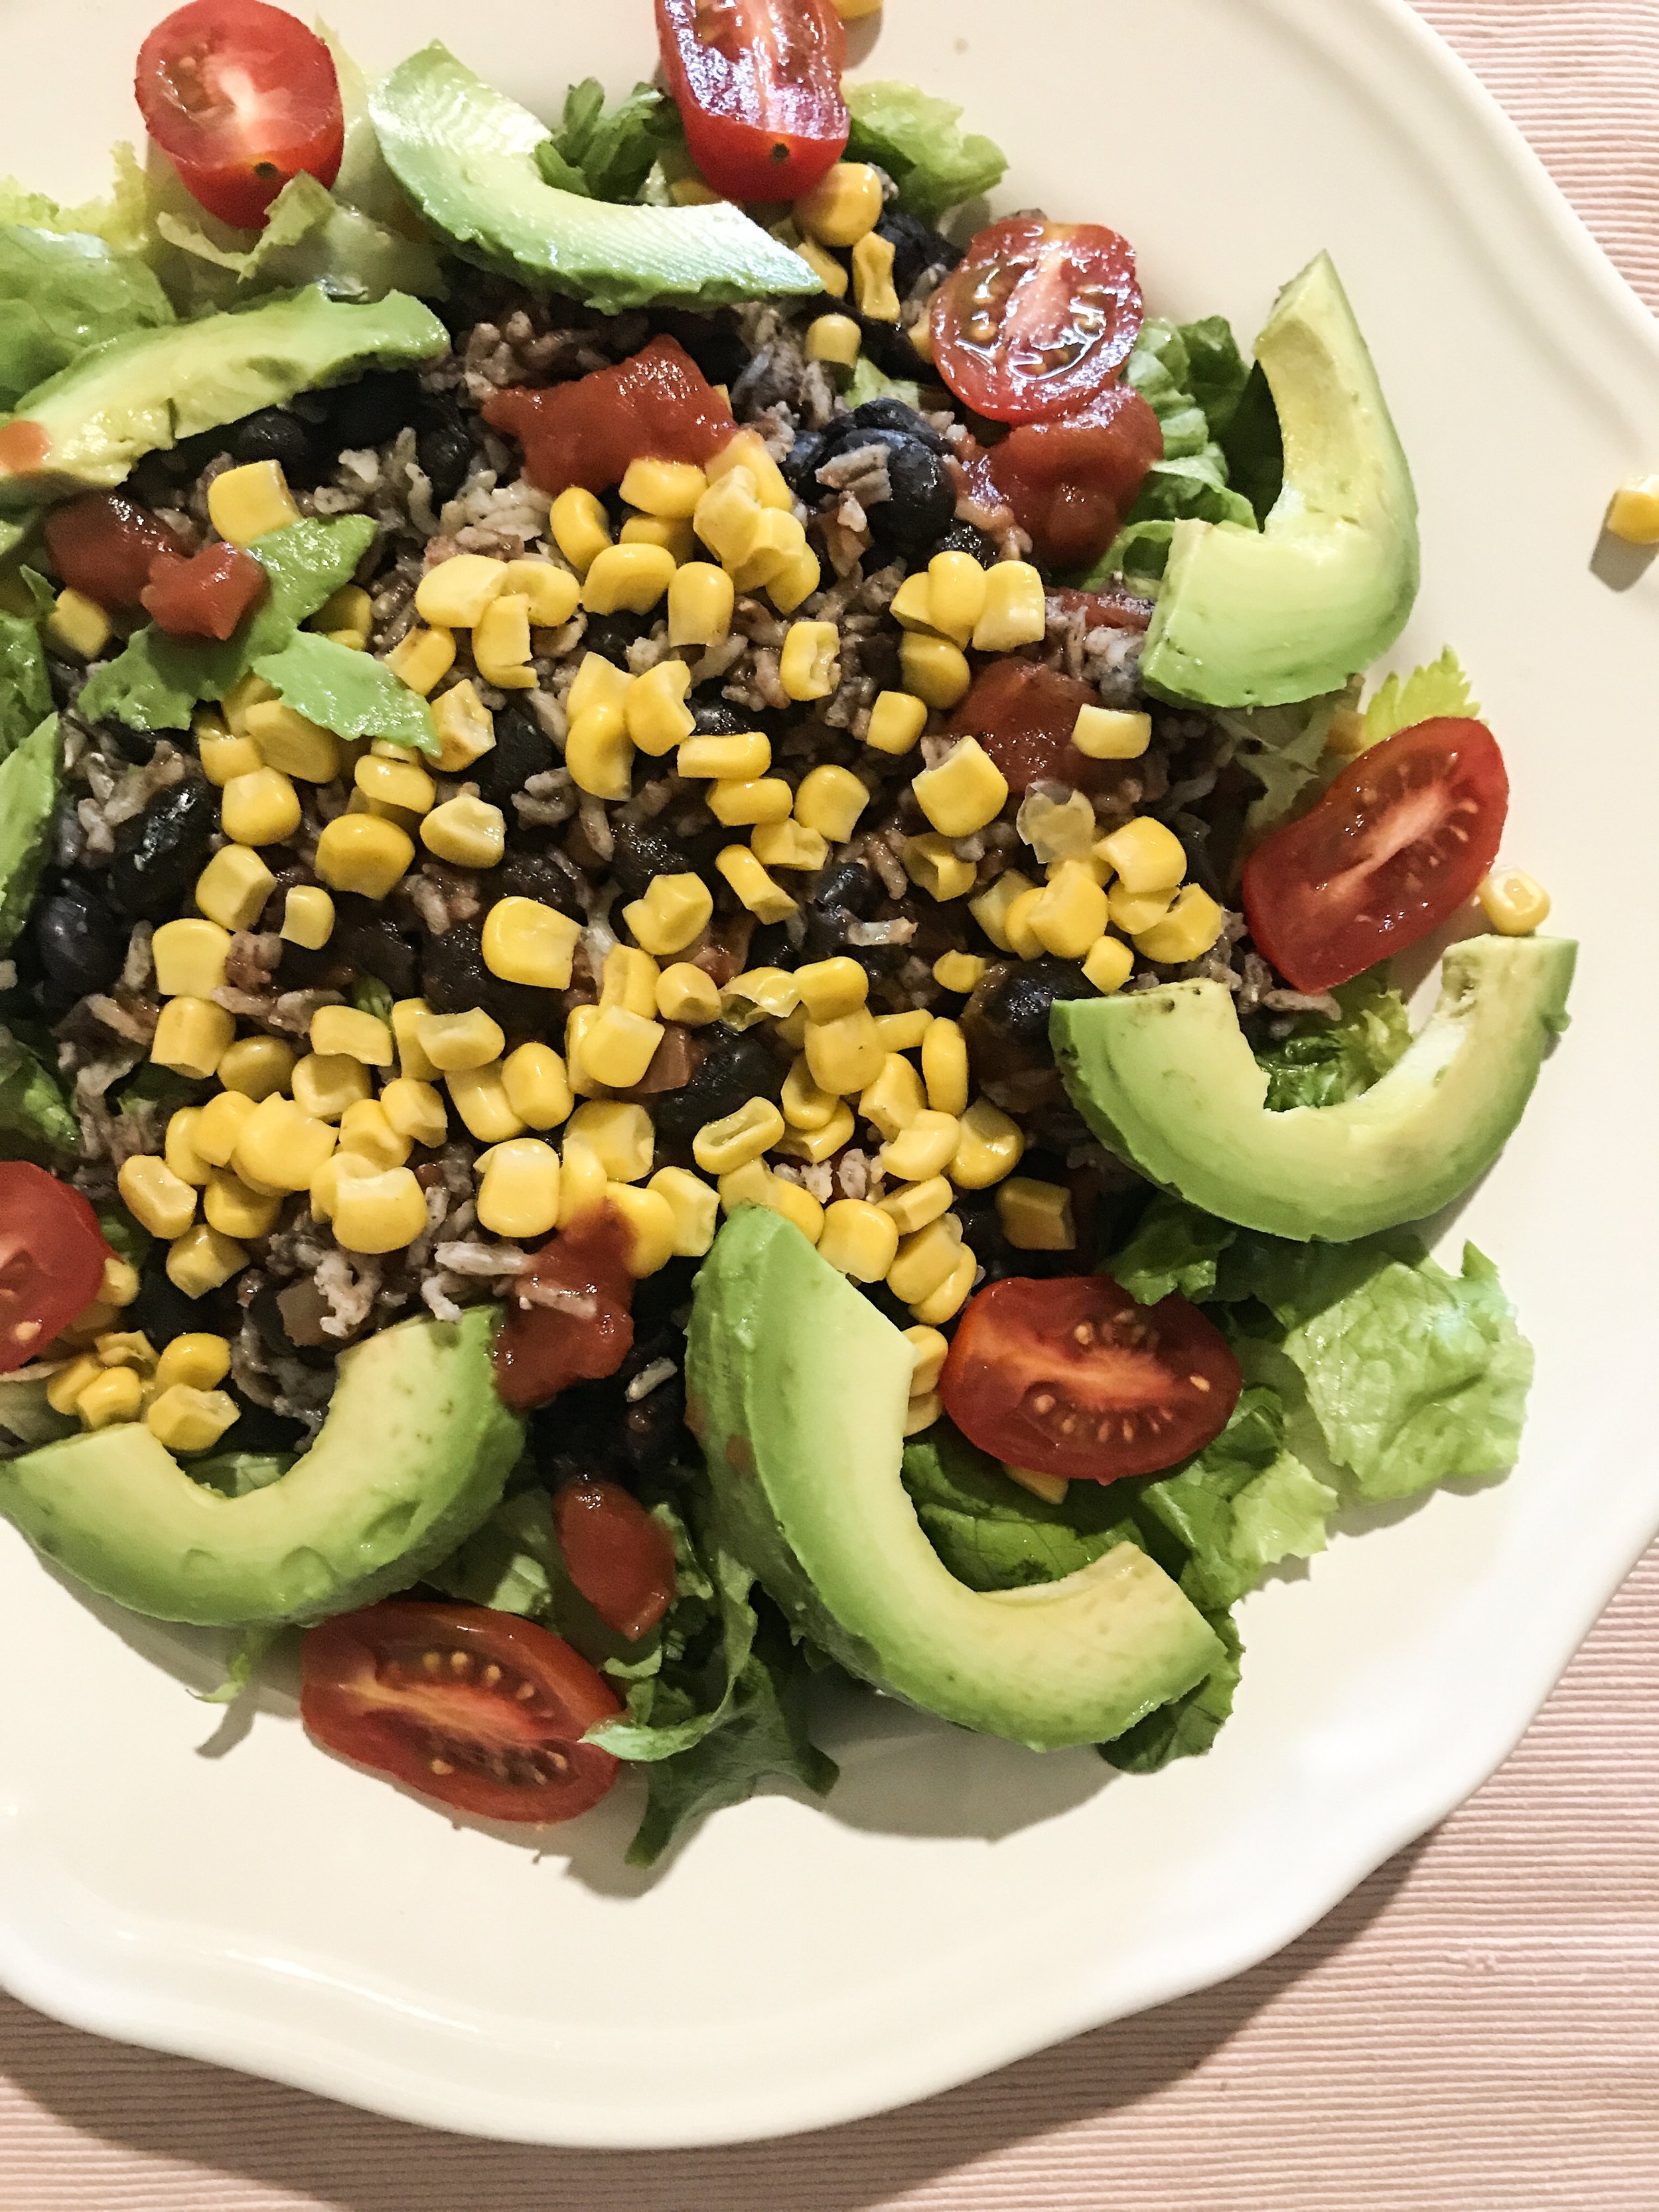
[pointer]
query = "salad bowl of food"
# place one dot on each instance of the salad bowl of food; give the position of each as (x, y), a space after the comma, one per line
(728, 810)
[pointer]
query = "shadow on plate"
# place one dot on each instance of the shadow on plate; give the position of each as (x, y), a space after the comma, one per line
(1619, 566)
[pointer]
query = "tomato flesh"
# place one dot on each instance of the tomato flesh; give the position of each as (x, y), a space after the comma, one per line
(1023, 714)
(52, 1261)
(1070, 1377)
(1397, 843)
(569, 1318)
(205, 596)
(106, 545)
(620, 1559)
(757, 83)
(240, 97)
(1037, 318)
(658, 406)
(480, 1710)
(1070, 481)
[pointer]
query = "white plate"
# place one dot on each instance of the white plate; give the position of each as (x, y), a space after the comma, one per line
(961, 1902)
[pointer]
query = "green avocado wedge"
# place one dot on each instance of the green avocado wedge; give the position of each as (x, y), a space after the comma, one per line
(412, 1457)
(1167, 1080)
(1249, 618)
(797, 1387)
(465, 154)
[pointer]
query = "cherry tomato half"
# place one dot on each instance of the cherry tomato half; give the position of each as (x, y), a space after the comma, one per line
(106, 545)
(757, 83)
(620, 1559)
(1070, 480)
(1070, 1377)
(52, 1261)
(1396, 844)
(240, 97)
(568, 1320)
(1037, 319)
(205, 596)
(657, 406)
(480, 1710)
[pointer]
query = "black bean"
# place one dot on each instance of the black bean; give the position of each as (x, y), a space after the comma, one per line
(259, 1429)
(543, 873)
(455, 979)
(720, 720)
(446, 445)
(770, 947)
(713, 341)
(849, 885)
(890, 414)
(654, 1437)
(160, 853)
(878, 660)
(277, 434)
(610, 636)
(374, 410)
(366, 938)
(888, 346)
(82, 944)
(1006, 1019)
(916, 249)
(737, 1065)
(800, 465)
(645, 850)
(161, 1311)
(922, 500)
(521, 750)
(963, 537)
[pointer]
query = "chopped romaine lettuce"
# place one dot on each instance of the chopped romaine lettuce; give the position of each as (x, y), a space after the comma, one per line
(24, 687)
(36, 1120)
(1255, 445)
(919, 141)
(1173, 1247)
(1241, 1506)
(994, 1535)
(28, 797)
(121, 220)
(61, 292)
(1324, 1063)
(1400, 703)
(607, 153)
(1282, 747)
(309, 237)
(1191, 1724)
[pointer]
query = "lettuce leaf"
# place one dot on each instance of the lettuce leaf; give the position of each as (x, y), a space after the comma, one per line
(919, 143)
(36, 1122)
(1255, 445)
(1242, 1506)
(350, 693)
(1282, 748)
(28, 798)
(309, 237)
(1322, 1063)
(607, 153)
(1216, 371)
(122, 220)
(61, 292)
(25, 687)
(994, 1535)
(1400, 703)
(1173, 1247)
(1190, 1725)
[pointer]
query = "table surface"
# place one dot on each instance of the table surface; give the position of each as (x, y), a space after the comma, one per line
(1476, 2028)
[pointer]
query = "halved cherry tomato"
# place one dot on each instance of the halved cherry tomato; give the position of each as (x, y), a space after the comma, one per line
(52, 1261)
(205, 596)
(240, 97)
(658, 406)
(1070, 1377)
(106, 545)
(1023, 714)
(1396, 844)
(480, 1710)
(568, 1319)
(757, 83)
(1037, 319)
(1070, 481)
(620, 1559)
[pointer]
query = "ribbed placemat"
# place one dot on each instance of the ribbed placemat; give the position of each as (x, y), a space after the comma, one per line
(1475, 2030)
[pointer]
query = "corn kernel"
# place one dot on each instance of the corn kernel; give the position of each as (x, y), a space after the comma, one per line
(747, 450)
(701, 600)
(742, 802)
(657, 717)
(116, 1394)
(244, 503)
(179, 1148)
(674, 912)
(460, 1041)
(256, 1066)
(127, 1348)
(583, 1082)
(415, 1109)
(202, 1260)
(281, 1146)
(307, 913)
(903, 1032)
(830, 989)
(1145, 856)
(401, 783)
(924, 1148)
(465, 727)
(846, 1055)
(381, 1212)
(407, 1014)
(1015, 611)
(199, 1359)
(1110, 733)
(858, 1239)
(922, 1411)
(599, 753)
(628, 579)
(583, 1183)
(223, 756)
(231, 889)
(421, 659)
(964, 792)
(815, 1144)
(526, 941)
(356, 1036)
(246, 691)
(678, 539)
(960, 972)
(806, 1105)
(989, 1148)
(155, 1198)
(1036, 1217)
(933, 866)
(912, 605)
(1019, 922)
(695, 1205)
(1634, 512)
(1513, 903)
(787, 845)
(727, 759)
(896, 721)
(454, 594)
(231, 1208)
(359, 853)
(893, 1100)
(260, 809)
(774, 545)
(991, 908)
(945, 1066)
(630, 979)
(810, 665)
(293, 742)
(951, 1296)
(580, 528)
(518, 1194)
(185, 1419)
(217, 1125)
(1070, 913)
(835, 339)
(1186, 932)
(469, 832)
(618, 1134)
(1108, 963)
(686, 994)
(925, 1259)
(618, 1047)
(502, 642)
(759, 994)
(765, 899)
(796, 580)
(325, 1085)
(191, 1036)
(755, 1184)
(672, 489)
(649, 1221)
(65, 1387)
(844, 206)
(1133, 912)
(78, 626)
(934, 670)
(190, 959)
(872, 279)
(732, 1142)
(349, 608)
(930, 1348)
(479, 1095)
(825, 266)
(830, 800)
(366, 1130)
(955, 595)
(914, 1206)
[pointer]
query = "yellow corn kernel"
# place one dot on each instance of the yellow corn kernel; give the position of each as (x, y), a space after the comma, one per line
(765, 899)
(231, 1208)
(695, 1205)
(924, 1148)
(955, 595)
(960, 972)
(1145, 855)
(1135, 913)
(1019, 922)
(78, 626)
(872, 279)
(464, 726)
(805, 1104)
(844, 206)
(1108, 963)
(281, 1146)
(326, 1086)
(1186, 932)
(685, 994)
(628, 578)
(518, 1194)
(179, 1149)
(1110, 733)
(650, 1222)
(747, 450)
(846, 1055)
(187, 1420)
(858, 1239)
(893, 1100)
(217, 1125)
(728, 517)
(583, 1183)
(422, 658)
(200, 1360)
(1037, 1217)
(678, 539)
(825, 266)
(349, 608)
(701, 600)
(945, 1066)
(454, 594)
(379, 1213)
(630, 980)
(260, 809)
(231, 889)
(951, 1295)
(583, 1082)
(674, 912)
(936, 670)
(599, 753)
(658, 718)
(830, 989)
(775, 544)
(244, 503)
(406, 1018)
(223, 756)
(293, 742)
(810, 665)
(65, 1387)
(733, 1142)
(256, 1066)
(191, 1036)
(964, 792)
(246, 691)
(1070, 913)
(526, 941)
(469, 832)
(912, 605)
(580, 528)
(923, 1410)
(671, 488)
(479, 1095)
(913, 1207)
(991, 908)
(758, 994)
(1512, 902)
(122, 1347)
(156, 1198)
(736, 759)
(360, 853)
(366, 1130)
(896, 720)
(797, 580)
(356, 1036)
(501, 643)
(787, 845)
(416, 1110)
(989, 1148)
(460, 1041)
(1015, 611)
(815, 1144)
(619, 1135)
(307, 913)
(835, 339)
(830, 800)
(190, 959)
(755, 1184)
(402, 782)
(741, 802)
(930, 1348)
(903, 1032)
(202, 1260)
(338, 1168)
(925, 1259)
(1634, 512)
(933, 866)
(114, 1395)
(619, 1047)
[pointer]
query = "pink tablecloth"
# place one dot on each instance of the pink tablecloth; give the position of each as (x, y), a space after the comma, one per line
(1476, 2029)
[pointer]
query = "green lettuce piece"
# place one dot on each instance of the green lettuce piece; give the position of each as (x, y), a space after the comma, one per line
(1241, 1506)
(1282, 747)
(607, 153)
(1217, 373)
(350, 693)
(371, 996)
(1324, 1063)
(61, 292)
(1190, 1724)
(1400, 703)
(991, 1533)
(25, 687)
(365, 182)
(242, 1663)
(123, 1234)
(122, 220)
(868, 382)
(25, 1412)
(1255, 445)
(309, 237)
(28, 795)
(36, 1120)
(1174, 1248)
(919, 143)
(1160, 370)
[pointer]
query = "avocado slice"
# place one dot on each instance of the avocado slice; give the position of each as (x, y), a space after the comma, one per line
(412, 1457)
(1249, 618)
(465, 154)
(797, 1387)
(1166, 1080)
(146, 390)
